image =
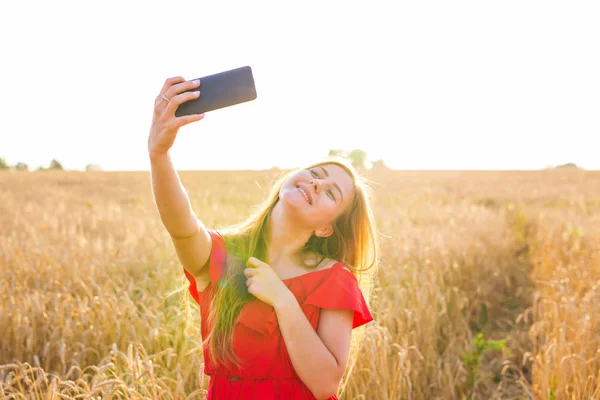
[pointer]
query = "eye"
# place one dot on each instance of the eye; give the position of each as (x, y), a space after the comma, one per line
(313, 173)
(330, 193)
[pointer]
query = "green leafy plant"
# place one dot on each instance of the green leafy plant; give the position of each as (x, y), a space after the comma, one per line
(473, 358)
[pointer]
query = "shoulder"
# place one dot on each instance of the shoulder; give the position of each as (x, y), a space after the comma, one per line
(330, 262)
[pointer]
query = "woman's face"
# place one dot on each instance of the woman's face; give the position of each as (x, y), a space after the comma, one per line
(318, 195)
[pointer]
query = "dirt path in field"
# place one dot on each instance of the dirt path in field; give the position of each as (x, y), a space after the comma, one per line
(499, 359)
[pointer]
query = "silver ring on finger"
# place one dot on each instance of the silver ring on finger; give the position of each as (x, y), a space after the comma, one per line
(165, 98)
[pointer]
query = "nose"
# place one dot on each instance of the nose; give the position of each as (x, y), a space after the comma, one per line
(316, 184)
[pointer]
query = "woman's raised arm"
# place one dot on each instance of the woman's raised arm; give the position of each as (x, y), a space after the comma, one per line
(190, 237)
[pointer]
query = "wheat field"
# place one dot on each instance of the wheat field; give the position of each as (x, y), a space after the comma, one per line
(488, 286)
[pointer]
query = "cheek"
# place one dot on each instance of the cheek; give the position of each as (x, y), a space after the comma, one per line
(331, 212)
(341, 208)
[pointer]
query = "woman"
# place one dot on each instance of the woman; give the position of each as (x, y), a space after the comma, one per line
(280, 293)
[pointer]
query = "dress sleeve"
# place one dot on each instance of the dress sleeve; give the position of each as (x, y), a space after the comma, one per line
(340, 291)
(215, 264)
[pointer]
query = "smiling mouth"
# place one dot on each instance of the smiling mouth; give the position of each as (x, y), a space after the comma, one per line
(304, 194)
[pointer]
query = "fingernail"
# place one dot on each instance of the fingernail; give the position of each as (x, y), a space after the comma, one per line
(196, 93)
(196, 81)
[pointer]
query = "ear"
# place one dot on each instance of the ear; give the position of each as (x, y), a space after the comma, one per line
(324, 232)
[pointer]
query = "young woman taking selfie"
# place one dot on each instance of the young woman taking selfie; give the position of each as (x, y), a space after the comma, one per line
(281, 292)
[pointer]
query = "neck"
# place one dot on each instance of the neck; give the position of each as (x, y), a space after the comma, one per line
(285, 238)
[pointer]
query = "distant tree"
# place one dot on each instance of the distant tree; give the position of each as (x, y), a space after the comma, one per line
(337, 153)
(21, 166)
(568, 165)
(379, 165)
(54, 164)
(93, 167)
(3, 164)
(358, 158)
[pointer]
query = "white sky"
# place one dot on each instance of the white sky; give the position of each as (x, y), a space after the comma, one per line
(422, 85)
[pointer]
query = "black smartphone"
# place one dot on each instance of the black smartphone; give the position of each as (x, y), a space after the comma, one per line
(221, 90)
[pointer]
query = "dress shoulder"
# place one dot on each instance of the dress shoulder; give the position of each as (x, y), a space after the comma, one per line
(340, 291)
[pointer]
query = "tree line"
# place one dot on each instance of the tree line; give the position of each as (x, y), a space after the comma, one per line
(54, 165)
(358, 158)
(21, 166)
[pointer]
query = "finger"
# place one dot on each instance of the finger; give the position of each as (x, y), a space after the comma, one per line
(248, 272)
(249, 282)
(182, 87)
(254, 262)
(181, 98)
(168, 83)
(188, 119)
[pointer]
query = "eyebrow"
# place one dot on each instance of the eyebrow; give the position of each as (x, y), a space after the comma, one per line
(334, 184)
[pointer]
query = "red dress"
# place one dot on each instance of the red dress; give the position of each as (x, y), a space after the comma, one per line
(257, 339)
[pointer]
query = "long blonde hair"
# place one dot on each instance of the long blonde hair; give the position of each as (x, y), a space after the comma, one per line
(354, 243)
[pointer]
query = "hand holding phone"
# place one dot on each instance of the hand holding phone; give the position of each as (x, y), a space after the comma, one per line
(221, 90)
(165, 125)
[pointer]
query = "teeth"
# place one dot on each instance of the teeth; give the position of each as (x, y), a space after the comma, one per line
(304, 193)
